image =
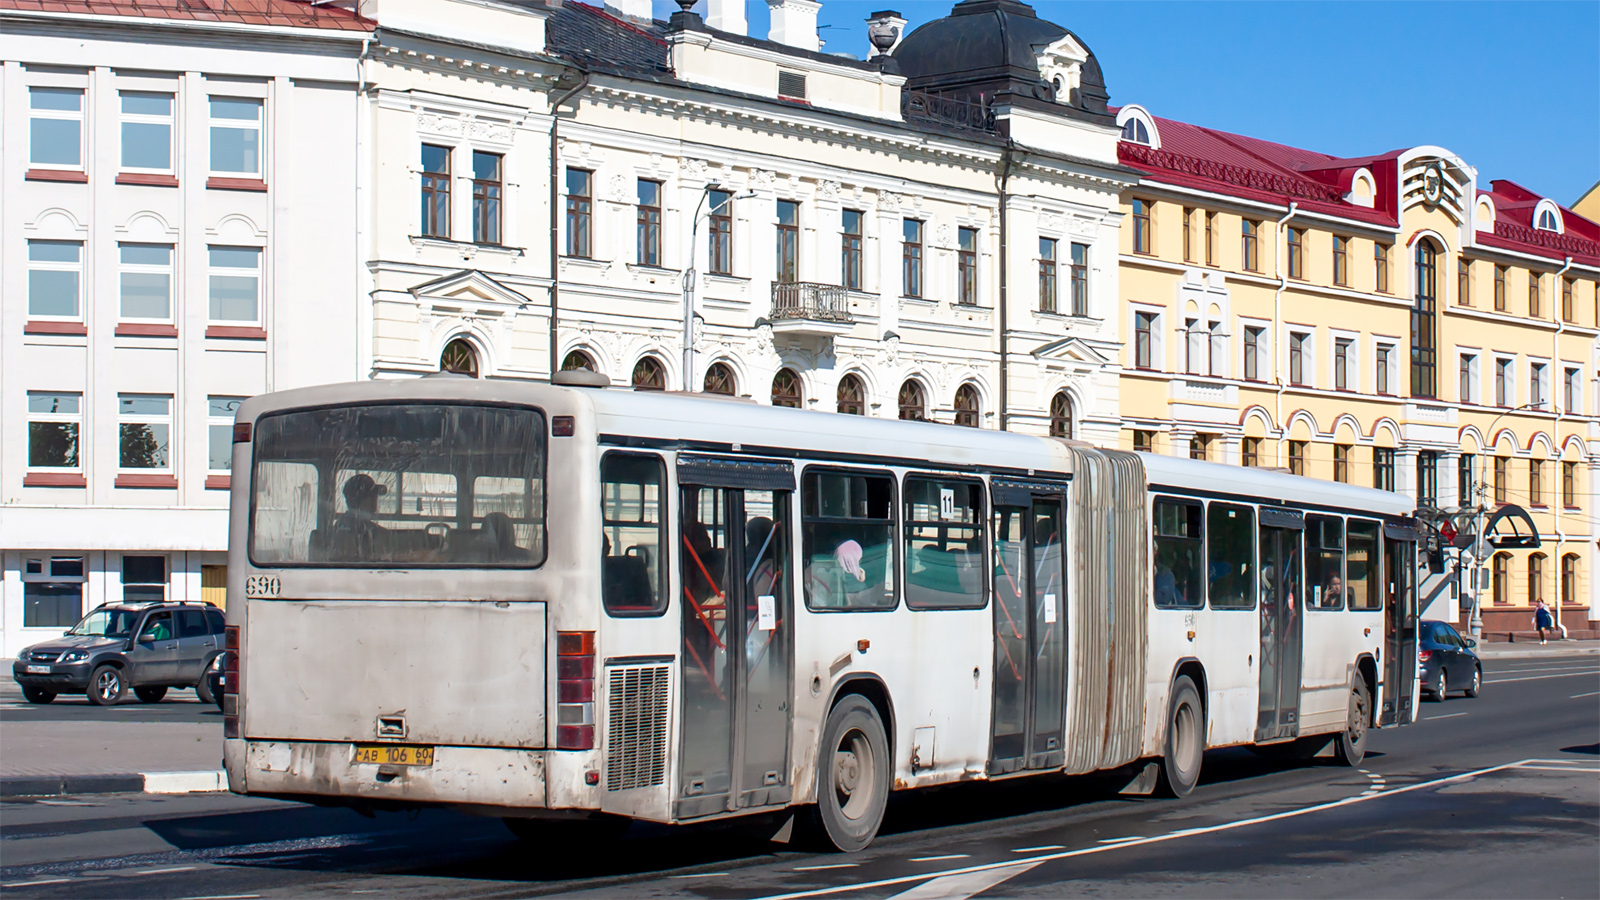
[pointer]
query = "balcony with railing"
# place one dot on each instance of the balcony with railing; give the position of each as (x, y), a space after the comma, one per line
(804, 307)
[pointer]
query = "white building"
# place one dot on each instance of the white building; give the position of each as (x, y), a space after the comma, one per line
(177, 231)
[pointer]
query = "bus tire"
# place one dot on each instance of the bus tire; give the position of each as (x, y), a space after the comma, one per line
(1180, 766)
(853, 772)
(1351, 746)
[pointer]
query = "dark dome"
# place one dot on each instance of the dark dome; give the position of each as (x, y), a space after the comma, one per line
(989, 48)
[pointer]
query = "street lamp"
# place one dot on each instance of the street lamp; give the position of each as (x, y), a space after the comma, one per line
(689, 276)
(1481, 489)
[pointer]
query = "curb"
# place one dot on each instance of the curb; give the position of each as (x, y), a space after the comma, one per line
(1532, 653)
(145, 783)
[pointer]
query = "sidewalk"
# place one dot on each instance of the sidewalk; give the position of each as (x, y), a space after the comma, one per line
(1534, 650)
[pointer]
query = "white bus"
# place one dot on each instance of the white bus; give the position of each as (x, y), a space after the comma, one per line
(570, 604)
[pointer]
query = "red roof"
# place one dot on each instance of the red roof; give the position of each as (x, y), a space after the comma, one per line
(283, 13)
(1513, 227)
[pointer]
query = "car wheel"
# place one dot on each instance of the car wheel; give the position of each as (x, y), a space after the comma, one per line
(36, 695)
(150, 694)
(1180, 766)
(203, 689)
(1436, 686)
(1477, 682)
(852, 777)
(1351, 747)
(106, 685)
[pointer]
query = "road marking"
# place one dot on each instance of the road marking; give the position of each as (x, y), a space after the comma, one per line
(22, 884)
(1539, 677)
(138, 872)
(1447, 716)
(701, 875)
(1037, 849)
(821, 868)
(223, 897)
(1210, 829)
(1581, 696)
(1131, 837)
(960, 887)
(946, 856)
(1564, 768)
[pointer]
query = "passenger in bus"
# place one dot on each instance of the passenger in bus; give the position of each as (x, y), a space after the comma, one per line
(1331, 595)
(1169, 586)
(354, 531)
(501, 538)
(832, 580)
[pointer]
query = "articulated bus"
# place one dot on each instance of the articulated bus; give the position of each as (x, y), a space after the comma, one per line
(572, 606)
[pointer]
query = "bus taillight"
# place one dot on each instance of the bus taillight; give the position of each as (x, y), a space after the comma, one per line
(574, 690)
(230, 682)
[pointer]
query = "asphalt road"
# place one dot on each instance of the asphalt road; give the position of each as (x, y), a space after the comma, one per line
(177, 706)
(1493, 797)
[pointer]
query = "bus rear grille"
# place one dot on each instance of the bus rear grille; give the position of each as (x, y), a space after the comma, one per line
(637, 699)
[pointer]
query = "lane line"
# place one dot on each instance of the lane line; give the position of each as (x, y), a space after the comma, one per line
(1539, 677)
(1210, 829)
(23, 884)
(1581, 696)
(701, 875)
(946, 856)
(1564, 768)
(223, 897)
(1447, 716)
(960, 887)
(1131, 837)
(821, 868)
(139, 872)
(1038, 849)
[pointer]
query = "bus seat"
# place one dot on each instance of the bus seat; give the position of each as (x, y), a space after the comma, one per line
(626, 583)
(317, 546)
(943, 576)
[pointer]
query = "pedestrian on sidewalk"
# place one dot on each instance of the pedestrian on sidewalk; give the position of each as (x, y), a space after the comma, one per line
(1541, 618)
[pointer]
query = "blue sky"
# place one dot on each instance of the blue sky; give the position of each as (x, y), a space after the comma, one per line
(1513, 87)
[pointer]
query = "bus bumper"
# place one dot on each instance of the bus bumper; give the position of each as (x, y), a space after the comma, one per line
(471, 776)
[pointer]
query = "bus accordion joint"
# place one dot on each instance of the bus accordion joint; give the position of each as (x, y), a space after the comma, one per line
(574, 690)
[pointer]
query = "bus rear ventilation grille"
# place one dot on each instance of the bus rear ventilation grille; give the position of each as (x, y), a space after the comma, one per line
(637, 702)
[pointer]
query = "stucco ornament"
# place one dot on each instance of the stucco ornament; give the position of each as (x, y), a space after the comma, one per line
(437, 123)
(619, 188)
(889, 349)
(489, 130)
(829, 190)
(889, 200)
(1061, 67)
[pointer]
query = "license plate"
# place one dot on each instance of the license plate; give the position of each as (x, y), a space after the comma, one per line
(37, 670)
(393, 755)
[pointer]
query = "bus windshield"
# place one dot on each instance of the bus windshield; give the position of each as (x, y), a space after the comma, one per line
(399, 486)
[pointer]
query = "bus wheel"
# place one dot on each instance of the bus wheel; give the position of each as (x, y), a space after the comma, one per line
(1180, 767)
(852, 775)
(1351, 747)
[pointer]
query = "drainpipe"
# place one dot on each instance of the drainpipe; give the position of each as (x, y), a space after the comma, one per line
(1001, 181)
(1277, 328)
(555, 220)
(363, 274)
(1555, 360)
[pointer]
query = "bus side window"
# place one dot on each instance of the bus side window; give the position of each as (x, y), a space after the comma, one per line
(944, 543)
(1325, 537)
(847, 540)
(633, 533)
(1230, 555)
(1362, 560)
(1178, 542)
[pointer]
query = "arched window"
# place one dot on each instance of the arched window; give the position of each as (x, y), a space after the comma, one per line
(967, 406)
(720, 380)
(577, 360)
(913, 405)
(460, 357)
(852, 396)
(1061, 415)
(649, 375)
(1135, 130)
(1569, 579)
(1424, 324)
(1535, 578)
(786, 389)
(1500, 568)
(1547, 221)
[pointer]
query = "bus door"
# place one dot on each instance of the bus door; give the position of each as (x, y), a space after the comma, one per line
(1282, 571)
(1399, 625)
(737, 619)
(1030, 626)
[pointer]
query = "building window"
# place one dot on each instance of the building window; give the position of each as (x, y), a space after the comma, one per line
(967, 407)
(1342, 349)
(52, 591)
(720, 380)
(1383, 468)
(1428, 477)
(967, 266)
(1252, 352)
(1144, 441)
(1424, 324)
(1061, 415)
(486, 195)
(719, 237)
(1533, 295)
(1251, 231)
(786, 389)
(852, 396)
(145, 281)
(146, 131)
(1380, 266)
(1566, 300)
(1141, 226)
(787, 250)
(1536, 482)
(913, 404)
(1188, 234)
(435, 191)
(649, 374)
(1341, 260)
(235, 284)
(1381, 359)
(55, 279)
(1250, 452)
(235, 136)
(1572, 391)
(648, 243)
(1468, 365)
(1466, 475)
(1502, 382)
(1144, 325)
(1569, 484)
(1501, 568)
(1500, 288)
(850, 250)
(1547, 221)
(1297, 358)
(1297, 254)
(1297, 457)
(1537, 381)
(54, 423)
(459, 357)
(1535, 578)
(1134, 130)
(1501, 479)
(144, 580)
(1080, 279)
(1047, 275)
(577, 360)
(220, 413)
(144, 431)
(1569, 579)
(1211, 239)
(1463, 282)
(55, 124)
(1200, 447)
(911, 258)
(580, 213)
(1341, 463)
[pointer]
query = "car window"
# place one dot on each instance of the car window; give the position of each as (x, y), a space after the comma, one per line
(158, 626)
(216, 622)
(192, 623)
(1451, 637)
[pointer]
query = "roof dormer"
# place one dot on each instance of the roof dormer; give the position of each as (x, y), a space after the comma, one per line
(1138, 126)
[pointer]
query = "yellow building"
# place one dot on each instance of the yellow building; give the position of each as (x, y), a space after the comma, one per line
(1386, 321)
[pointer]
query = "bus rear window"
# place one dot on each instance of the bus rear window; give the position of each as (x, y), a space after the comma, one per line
(418, 485)
(1178, 540)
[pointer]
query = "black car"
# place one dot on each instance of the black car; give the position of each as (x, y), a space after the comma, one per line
(216, 678)
(147, 647)
(1448, 663)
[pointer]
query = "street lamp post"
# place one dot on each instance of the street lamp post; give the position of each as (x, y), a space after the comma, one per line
(689, 277)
